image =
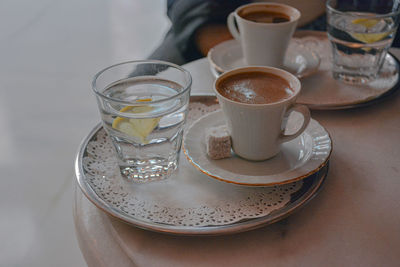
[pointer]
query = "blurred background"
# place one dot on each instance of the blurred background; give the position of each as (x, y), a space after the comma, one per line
(49, 52)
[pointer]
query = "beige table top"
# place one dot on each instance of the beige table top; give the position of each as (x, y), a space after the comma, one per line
(353, 221)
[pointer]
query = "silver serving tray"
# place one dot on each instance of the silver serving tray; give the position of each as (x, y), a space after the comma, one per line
(310, 187)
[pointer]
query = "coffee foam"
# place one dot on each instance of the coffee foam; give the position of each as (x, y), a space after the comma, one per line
(265, 16)
(255, 88)
(290, 12)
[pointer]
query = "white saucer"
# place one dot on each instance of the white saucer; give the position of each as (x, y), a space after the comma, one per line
(228, 55)
(297, 160)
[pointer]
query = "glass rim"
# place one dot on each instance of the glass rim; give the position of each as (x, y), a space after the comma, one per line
(376, 15)
(149, 61)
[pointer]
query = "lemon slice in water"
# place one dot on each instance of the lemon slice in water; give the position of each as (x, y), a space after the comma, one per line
(367, 23)
(140, 128)
(368, 38)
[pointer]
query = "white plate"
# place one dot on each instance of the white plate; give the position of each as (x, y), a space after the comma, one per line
(298, 158)
(228, 55)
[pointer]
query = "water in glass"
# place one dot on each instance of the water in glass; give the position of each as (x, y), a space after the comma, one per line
(360, 42)
(147, 135)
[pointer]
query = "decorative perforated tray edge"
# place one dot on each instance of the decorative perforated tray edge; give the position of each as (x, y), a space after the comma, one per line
(311, 186)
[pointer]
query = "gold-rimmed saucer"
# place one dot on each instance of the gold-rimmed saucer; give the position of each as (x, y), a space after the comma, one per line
(297, 160)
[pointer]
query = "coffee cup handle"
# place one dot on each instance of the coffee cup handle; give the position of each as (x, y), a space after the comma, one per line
(306, 115)
(232, 26)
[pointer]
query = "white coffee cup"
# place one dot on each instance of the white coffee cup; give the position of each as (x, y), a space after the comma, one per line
(263, 44)
(257, 130)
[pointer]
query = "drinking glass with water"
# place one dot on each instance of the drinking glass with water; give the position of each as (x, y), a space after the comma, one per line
(361, 32)
(143, 106)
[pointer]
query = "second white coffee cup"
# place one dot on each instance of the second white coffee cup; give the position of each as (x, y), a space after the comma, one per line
(263, 44)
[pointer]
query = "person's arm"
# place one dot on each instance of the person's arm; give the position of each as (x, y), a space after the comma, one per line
(209, 35)
(198, 25)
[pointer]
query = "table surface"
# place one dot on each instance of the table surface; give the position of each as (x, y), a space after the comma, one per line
(353, 221)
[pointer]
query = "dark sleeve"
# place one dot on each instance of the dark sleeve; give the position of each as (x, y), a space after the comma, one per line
(186, 17)
(319, 24)
(396, 41)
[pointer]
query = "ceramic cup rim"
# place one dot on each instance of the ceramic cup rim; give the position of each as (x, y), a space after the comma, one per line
(294, 82)
(293, 17)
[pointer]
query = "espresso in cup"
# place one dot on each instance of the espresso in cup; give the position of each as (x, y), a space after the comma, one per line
(255, 88)
(264, 16)
(256, 102)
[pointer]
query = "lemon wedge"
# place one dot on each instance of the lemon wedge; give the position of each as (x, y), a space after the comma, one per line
(143, 100)
(367, 23)
(368, 38)
(140, 128)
